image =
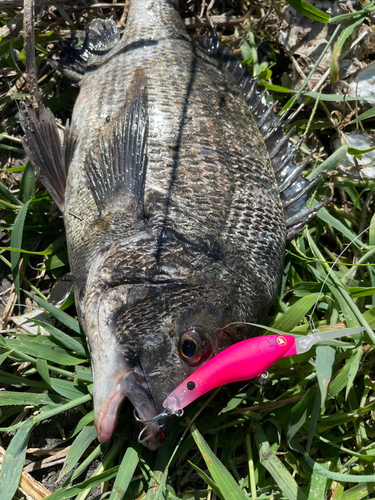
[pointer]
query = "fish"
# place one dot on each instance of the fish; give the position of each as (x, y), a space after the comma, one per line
(179, 191)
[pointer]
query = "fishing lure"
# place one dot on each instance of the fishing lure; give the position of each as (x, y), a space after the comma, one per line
(242, 361)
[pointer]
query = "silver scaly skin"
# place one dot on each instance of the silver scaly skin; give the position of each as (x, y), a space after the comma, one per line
(172, 210)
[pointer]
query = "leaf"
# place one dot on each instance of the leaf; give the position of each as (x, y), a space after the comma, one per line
(325, 357)
(42, 367)
(335, 476)
(296, 313)
(318, 485)
(13, 461)
(64, 339)
(275, 467)
(9, 196)
(10, 378)
(79, 446)
(71, 491)
(228, 487)
(61, 316)
(300, 413)
(353, 369)
(358, 492)
(16, 241)
(86, 420)
(341, 380)
(309, 10)
(67, 389)
(344, 35)
(312, 94)
(7, 51)
(330, 163)
(26, 398)
(359, 152)
(27, 186)
(49, 411)
(126, 471)
(86, 463)
(326, 217)
(48, 352)
(370, 113)
(206, 478)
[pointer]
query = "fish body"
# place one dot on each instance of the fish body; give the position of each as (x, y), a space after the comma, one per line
(174, 220)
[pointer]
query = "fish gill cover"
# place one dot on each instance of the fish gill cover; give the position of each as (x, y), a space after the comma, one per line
(44, 355)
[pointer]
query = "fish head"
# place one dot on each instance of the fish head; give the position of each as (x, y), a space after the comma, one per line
(148, 332)
(145, 339)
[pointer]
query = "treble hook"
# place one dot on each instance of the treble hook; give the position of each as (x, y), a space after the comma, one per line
(167, 412)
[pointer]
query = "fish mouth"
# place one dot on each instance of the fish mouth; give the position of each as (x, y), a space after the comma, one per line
(132, 385)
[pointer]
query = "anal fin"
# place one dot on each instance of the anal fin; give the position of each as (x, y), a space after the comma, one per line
(117, 162)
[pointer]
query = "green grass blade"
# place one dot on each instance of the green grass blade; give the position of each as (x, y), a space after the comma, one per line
(126, 471)
(358, 492)
(26, 398)
(64, 339)
(86, 463)
(79, 446)
(13, 461)
(275, 467)
(309, 10)
(85, 420)
(42, 367)
(207, 480)
(67, 389)
(370, 113)
(229, 488)
(72, 491)
(16, 242)
(299, 414)
(10, 196)
(326, 217)
(325, 357)
(50, 412)
(27, 186)
(344, 35)
(330, 163)
(296, 313)
(61, 316)
(335, 476)
(48, 352)
(318, 485)
(353, 369)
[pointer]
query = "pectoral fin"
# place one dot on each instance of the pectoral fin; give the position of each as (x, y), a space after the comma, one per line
(117, 162)
(43, 146)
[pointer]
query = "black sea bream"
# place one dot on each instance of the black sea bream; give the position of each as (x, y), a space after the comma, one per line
(178, 190)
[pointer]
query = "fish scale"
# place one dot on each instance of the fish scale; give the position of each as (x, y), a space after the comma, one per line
(173, 214)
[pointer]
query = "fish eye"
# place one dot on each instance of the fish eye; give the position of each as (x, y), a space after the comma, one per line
(188, 348)
(194, 346)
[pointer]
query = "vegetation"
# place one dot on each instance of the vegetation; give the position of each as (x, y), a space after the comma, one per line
(305, 432)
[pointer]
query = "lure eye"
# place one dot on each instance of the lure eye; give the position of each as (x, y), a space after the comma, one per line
(194, 346)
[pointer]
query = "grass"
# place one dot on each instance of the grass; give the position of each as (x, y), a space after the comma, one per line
(305, 433)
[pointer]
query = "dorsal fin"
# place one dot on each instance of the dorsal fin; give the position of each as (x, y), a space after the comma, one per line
(118, 160)
(293, 186)
(101, 36)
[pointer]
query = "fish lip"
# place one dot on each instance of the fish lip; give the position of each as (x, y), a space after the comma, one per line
(144, 408)
(106, 422)
(132, 385)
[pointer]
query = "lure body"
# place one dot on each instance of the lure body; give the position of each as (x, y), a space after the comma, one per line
(243, 361)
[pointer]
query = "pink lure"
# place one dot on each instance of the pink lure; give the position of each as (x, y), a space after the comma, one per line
(244, 361)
